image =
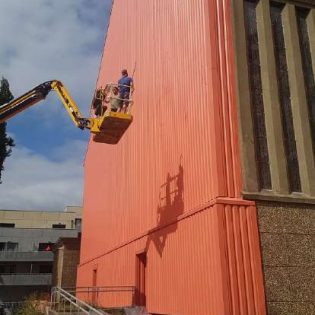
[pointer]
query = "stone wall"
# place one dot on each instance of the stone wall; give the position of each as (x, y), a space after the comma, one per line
(66, 260)
(287, 234)
(70, 262)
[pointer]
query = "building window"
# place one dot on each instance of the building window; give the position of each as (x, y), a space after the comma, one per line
(9, 246)
(302, 14)
(285, 96)
(45, 247)
(12, 268)
(275, 66)
(45, 268)
(59, 226)
(7, 225)
(6, 269)
(257, 106)
(78, 223)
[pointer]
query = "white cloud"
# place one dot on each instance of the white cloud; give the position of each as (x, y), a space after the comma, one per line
(42, 40)
(33, 181)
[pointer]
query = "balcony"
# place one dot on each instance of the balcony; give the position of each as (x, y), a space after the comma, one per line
(14, 279)
(9, 256)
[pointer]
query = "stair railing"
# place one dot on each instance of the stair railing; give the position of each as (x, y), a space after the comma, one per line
(64, 302)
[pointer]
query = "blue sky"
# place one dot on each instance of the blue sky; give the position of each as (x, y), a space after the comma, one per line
(42, 40)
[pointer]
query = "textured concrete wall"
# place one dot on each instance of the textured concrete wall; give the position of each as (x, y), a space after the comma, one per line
(29, 239)
(70, 263)
(34, 280)
(287, 233)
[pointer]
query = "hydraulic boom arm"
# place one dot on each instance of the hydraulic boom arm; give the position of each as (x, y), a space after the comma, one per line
(106, 127)
(39, 93)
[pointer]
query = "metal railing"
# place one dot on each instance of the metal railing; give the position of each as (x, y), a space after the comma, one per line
(8, 256)
(109, 99)
(25, 279)
(116, 288)
(124, 295)
(66, 303)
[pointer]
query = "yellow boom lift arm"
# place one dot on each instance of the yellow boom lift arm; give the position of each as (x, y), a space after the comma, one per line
(108, 127)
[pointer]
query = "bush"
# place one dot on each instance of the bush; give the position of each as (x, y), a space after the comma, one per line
(30, 306)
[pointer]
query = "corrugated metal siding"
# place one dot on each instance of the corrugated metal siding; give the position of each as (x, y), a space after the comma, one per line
(178, 156)
(175, 116)
(209, 265)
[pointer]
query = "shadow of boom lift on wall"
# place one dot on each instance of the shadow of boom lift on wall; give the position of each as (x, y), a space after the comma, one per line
(170, 207)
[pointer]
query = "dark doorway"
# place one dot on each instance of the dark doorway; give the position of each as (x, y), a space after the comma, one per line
(94, 289)
(141, 261)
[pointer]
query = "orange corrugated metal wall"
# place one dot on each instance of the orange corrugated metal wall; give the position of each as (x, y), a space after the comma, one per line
(171, 186)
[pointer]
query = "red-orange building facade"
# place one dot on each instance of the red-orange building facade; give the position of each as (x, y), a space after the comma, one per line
(162, 208)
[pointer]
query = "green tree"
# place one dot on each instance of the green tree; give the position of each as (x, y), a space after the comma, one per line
(6, 143)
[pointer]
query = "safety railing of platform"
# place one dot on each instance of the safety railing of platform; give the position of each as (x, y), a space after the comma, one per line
(109, 99)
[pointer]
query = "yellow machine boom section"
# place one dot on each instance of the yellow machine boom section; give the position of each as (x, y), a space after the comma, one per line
(69, 104)
(107, 128)
(12, 108)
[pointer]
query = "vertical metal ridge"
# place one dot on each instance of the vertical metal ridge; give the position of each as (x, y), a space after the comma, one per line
(232, 99)
(244, 265)
(234, 285)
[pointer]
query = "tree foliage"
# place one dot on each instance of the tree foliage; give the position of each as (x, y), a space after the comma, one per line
(31, 306)
(6, 142)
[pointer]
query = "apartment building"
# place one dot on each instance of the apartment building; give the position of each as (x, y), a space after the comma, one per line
(27, 239)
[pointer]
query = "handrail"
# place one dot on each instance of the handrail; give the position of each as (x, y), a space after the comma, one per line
(57, 294)
(23, 251)
(106, 94)
(25, 274)
(107, 288)
(97, 291)
(128, 101)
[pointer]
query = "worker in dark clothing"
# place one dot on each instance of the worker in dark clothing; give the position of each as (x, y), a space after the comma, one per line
(125, 85)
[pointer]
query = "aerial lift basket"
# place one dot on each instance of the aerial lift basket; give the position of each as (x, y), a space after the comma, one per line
(112, 120)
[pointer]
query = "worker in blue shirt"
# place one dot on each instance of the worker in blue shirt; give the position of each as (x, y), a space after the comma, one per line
(125, 85)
